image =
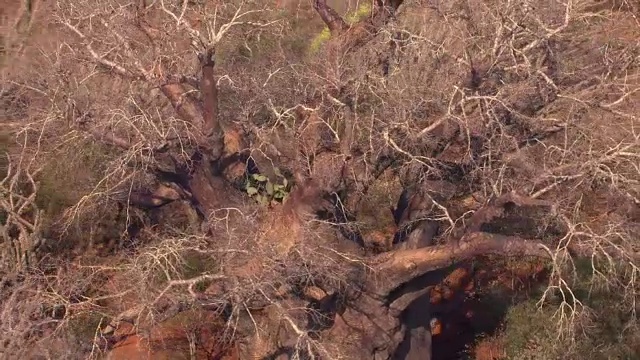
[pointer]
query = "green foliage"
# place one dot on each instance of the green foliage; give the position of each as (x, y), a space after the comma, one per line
(264, 191)
(351, 18)
(320, 39)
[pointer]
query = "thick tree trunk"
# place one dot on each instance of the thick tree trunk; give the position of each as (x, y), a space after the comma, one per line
(211, 191)
(211, 128)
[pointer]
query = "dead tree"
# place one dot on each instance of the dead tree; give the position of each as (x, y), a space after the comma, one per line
(377, 306)
(205, 181)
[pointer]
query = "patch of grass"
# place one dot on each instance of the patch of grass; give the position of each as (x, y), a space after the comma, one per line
(607, 331)
(528, 331)
(375, 212)
(61, 185)
(82, 328)
(62, 182)
(320, 39)
(3, 51)
(187, 265)
(5, 143)
(604, 330)
(196, 264)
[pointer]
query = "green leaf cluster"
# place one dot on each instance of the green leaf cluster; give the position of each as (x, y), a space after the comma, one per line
(350, 18)
(264, 191)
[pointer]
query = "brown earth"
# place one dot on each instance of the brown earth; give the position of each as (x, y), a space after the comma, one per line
(189, 335)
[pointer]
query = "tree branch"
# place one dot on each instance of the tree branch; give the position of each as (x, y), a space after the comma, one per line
(113, 66)
(399, 267)
(392, 4)
(334, 22)
(186, 108)
(497, 207)
(211, 128)
(109, 138)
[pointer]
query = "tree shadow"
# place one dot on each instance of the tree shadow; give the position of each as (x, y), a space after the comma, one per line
(451, 325)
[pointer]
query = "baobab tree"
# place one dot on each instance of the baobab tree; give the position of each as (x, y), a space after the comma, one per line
(452, 152)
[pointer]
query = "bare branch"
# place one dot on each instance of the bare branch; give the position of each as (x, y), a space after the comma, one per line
(404, 265)
(190, 283)
(109, 138)
(497, 207)
(111, 65)
(206, 44)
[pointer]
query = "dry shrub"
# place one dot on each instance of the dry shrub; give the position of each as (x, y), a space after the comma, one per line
(489, 349)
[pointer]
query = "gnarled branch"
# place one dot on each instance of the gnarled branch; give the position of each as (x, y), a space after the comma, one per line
(401, 266)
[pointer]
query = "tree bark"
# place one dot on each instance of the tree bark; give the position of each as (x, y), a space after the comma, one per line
(210, 191)
(331, 18)
(185, 107)
(399, 267)
(211, 129)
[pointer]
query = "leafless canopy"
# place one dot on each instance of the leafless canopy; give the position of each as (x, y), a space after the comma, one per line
(463, 105)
